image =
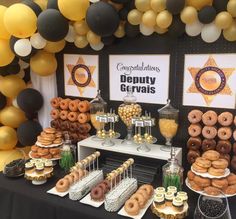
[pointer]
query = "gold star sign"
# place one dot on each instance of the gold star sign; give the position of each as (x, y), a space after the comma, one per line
(210, 80)
(81, 75)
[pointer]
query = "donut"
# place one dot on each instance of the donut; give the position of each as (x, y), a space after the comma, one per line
(83, 118)
(194, 130)
(234, 134)
(75, 176)
(104, 187)
(194, 143)
(202, 182)
(195, 186)
(83, 106)
(220, 164)
(226, 157)
(43, 151)
(55, 113)
(192, 155)
(199, 169)
(234, 148)
(211, 155)
(74, 137)
(65, 125)
(83, 136)
(203, 162)
(190, 175)
(195, 116)
(81, 128)
(230, 190)
(209, 132)
(55, 102)
(220, 183)
(72, 116)
(54, 151)
(73, 127)
(148, 188)
(233, 163)
(224, 147)
(132, 207)
(87, 127)
(34, 154)
(55, 123)
(63, 114)
(62, 185)
(34, 148)
(140, 199)
(224, 133)
(64, 104)
(47, 156)
(216, 172)
(225, 118)
(73, 105)
(231, 179)
(208, 144)
(49, 130)
(70, 179)
(235, 120)
(210, 190)
(97, 194)
(81, 173)
(107, 183)
(209, 118)
(143, 193)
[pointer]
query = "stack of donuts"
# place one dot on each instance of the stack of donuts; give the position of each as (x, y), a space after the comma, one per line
(209, 131)
(72, 116)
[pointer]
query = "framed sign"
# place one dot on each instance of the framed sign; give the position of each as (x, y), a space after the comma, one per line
(209, 80)
(147, 75)
(81, 75)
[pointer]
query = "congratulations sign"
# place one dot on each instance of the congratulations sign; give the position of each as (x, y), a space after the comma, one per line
(147, 75)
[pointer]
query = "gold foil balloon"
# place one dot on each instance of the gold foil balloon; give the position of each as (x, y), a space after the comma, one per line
(54, 47)
(12, 116)
(142, 5)
(20, 20)
(135, 17)
(74, 10)
(164, 19)
(188, 15)
(199, 4)
(11, 85)
(230, 33)
(81, 41)
(93, 38)
(3, 31)
(158, 5)
(81, 27)
(223, 20)
(231, 7)
(120, 32)
(6, 55)
(149, 18)
(43, 63)
(160, 30)
(8, 138)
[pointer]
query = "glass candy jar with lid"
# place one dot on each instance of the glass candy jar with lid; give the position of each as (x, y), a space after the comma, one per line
(128, 110)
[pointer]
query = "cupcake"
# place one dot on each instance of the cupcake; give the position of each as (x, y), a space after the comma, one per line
(159, 201)
(160, 190)
(48, 164)
(39, 167)
(169, 198)
(183, 196)
(172, 189)
(177, 204)
(29, 167)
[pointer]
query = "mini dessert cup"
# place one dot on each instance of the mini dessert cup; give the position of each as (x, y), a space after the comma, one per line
(177, 204)
(29, 167)
(183, 196)
(159, 200)
(160, 190)
(172, 189)
(169, 196)
(39, 168)
(48, 164)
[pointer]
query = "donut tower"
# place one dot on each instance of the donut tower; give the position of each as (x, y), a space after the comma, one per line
(72, 116)
(209, 131)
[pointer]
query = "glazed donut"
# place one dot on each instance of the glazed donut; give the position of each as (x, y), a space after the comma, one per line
(34, 154)
(47, 156)
(210, 190)
(104, 187)
(209, 132)
(195, 116)
(220, 183)
(75, 176)
(83, 136)
(208, 144)
(225, 118)
(83, 118)
(62, 185)
(226, 157)
(216, 172)
(70, 179)
(65, 125)
(34, 148)
(230, 190)
(97, 194)
(43, 151)
(63, 114)
(194, 186)
(55, 102)
(199, 169)
(203, 162)
(191, 175)
(194, 143)
(54, 151)
(192, 155)
(231, 179)
(234, 148)
(233, 163)
(87, 127)
(224, 147)
(107, 183)
(220, 164)
(132, 207)
(64, 104)
(234, 134)
(139, 198)
(211, 155)
(194, 130)
(148, 188)
(72, 116)
(74, 137)
(55, 113)
(209, 118)
(81, 128)
(73, 127)
(83, 106)
(73, 105)
(203, 182)
(224, 133)
(55, 123)
(143, 193)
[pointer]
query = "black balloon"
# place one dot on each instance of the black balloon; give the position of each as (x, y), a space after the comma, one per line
(29, 100)
(3, 71)
(123, 13)
(207, 14)
(28, 131)
(15, 60)
(27, 76)
(220, 5)
(52, 4)
(131, 30)
(177, 27)
(130, 5)
(35, 7)
(102, 18)
(175, 6)
(3, 101)
(31, 116)
(120, 1)
(108, 40)
(52, 25)
(13, 69)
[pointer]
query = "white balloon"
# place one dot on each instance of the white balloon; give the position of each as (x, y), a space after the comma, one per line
(23, 47)
(14, 103)
(37, 41)
(70, 37)
(97, 47)
(146, 31)
(194, 29)
(23, 65)
(210, 33)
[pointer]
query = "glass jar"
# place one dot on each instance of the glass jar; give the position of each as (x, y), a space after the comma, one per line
(172, 174)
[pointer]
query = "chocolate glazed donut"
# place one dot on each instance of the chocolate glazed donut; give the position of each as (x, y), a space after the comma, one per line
(194, 143)
(55, 123)
(233, 163)
(234, 148)
(192, 156)
(208, 144)
(224, 147)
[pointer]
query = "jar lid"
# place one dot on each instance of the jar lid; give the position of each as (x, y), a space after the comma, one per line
(98, 99)
(168, 109)
(130, 98)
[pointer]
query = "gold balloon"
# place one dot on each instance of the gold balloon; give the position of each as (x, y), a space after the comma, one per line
(54, 47)
(20, 20)
(135, 17)
(8, 138)
(149, 18)
(81, 27)
(3, 31)
(199, 4)
(230, 33)
(231, 7)
(6, 55)
(223, 20)
(120, 32)
(81, 41)
(42, 4)
(158, 5)
(93, 38)
(74, 10)
(164, 19)
(188, 15)
(11, 86)
(160, 30)
(142, 5)
(43, 63)
(12, 116)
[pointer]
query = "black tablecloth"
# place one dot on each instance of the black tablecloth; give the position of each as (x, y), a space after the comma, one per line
(19, 199)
